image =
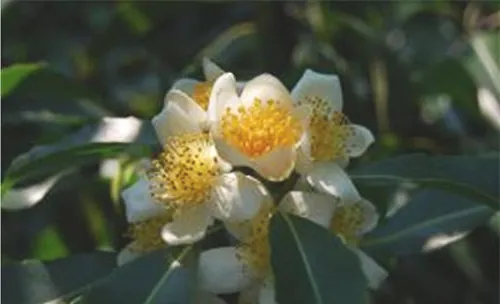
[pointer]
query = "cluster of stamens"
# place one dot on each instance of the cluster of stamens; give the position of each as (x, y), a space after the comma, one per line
(147, 234)
(260, 128)
(329, 131)
(201, 94)
(184, 173)
(254, 249)
(348, 221)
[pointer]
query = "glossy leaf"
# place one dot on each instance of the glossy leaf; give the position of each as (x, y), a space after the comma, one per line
(37, 282)
(14, 75)
(163, 276)
(430, 220)
(108, 138)
(311, 265)
(475, 177)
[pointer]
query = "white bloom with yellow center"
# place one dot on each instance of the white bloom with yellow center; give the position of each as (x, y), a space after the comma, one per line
(246, 268)
(330, 138)
(260, 128)
(187, 101)
(190, 180)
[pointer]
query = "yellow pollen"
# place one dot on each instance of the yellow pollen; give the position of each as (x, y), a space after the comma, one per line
(254, 249)
(347, 222)
(146, 235)
(183, 175)
(260, 128)
(329, 131)
(201, 94)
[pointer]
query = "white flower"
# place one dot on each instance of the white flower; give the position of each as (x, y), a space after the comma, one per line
(246, 267)
(347, 219)
(260, 128)
(190, 179)
(330, 138)
(187, 101)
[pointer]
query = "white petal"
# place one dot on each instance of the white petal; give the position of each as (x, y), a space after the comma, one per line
(223, 95)
(324, 86)
(203, 297)
(370, 215)
(211, 70)
(266, 87)
(316, 207)
(360, 139)
(189, 227)
(185, 85)
(139, 204)
(230, 154)
(373, 272)
(126, 255)
(303, 185)
(241, 229)
(237, 197)
(331, 179)
(267, 294)
(180, 115)
(275, 165)
(220, 271)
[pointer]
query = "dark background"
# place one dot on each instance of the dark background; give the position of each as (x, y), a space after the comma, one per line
(409, 72)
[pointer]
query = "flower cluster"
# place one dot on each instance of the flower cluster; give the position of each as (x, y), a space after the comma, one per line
(210, 128)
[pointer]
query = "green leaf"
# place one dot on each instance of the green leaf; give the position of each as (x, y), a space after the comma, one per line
(311, 265)
(37, 282)
(430, 220)
(108, 138)
(15, 74)
(475, 177)
(157, 277)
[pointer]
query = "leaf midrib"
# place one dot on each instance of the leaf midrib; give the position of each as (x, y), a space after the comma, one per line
(300, 248)
(402, 233)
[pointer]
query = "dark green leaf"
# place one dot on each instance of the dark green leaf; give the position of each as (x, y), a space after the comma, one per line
(430, 220)
(37, 282)
(108, 138)
(13, 75)
(311, 265)
(475, 177)
(155, 278)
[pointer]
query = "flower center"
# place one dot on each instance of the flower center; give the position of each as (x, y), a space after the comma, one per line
(347, 222)
(201, 94)
(254, 249)
(146, 234)
(182, 176)
(260, 128)
(329, 131)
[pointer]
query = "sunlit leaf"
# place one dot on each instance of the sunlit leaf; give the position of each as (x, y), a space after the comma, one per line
(430, 220)
(108, 138)
(311, 265)
(164, 276)
(36, 282)
(475, 177)
(15, 74)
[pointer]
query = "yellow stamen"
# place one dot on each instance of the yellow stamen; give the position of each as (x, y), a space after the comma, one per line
(183, 175)
(329, 131)
(260, 128)
(347, 222)
(254, 249)
(201, 94)
(146, 234)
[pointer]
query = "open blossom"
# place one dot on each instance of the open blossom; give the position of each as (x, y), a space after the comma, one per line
(260, 128)
(246, 268)
(189, 180)
(330, 138)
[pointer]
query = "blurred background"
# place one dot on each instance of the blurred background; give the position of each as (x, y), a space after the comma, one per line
(422, 75)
